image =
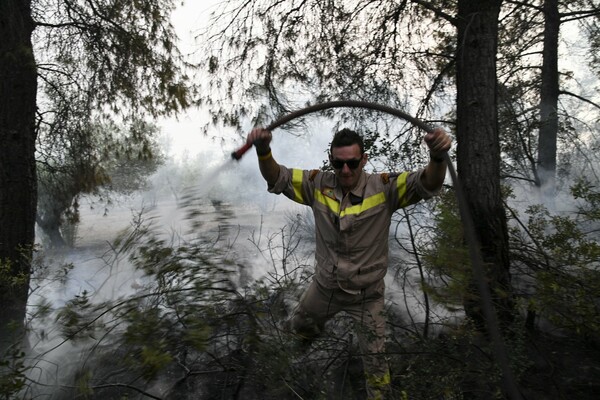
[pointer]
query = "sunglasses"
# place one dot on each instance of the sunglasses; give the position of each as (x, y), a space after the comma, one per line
(352, 163)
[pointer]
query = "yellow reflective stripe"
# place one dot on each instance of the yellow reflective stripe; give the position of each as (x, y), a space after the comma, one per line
(379, 380)
(297, 184)
(334, 205)
(401, 188)
(366, 204)
(328, 202)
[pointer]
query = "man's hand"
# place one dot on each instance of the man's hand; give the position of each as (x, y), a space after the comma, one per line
(261, 138)
(439, 143)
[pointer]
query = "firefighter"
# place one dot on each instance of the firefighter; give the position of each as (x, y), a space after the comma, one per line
(352, 211)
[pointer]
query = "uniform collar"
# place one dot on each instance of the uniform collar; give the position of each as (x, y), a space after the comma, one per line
(358, 188)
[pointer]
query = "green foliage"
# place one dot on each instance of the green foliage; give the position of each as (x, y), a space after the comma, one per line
(8, 278)
(13, 372)
(14, 368)
(188, 322)
(288, 54)
(82, 384)
(103, 67)
(564, 259)
(186, 315)
(448, 261)
(456, 364)
(77, 319)
(122, 55)
(175, 313)
(99, 159)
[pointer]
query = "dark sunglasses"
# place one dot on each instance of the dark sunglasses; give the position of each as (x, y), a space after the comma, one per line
(352, 163)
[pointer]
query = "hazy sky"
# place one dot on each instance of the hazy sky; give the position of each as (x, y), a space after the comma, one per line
(185, 131)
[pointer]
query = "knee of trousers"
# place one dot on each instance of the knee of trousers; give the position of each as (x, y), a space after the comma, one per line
(304, 325)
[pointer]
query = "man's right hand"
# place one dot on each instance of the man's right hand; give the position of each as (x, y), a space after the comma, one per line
(261, 138)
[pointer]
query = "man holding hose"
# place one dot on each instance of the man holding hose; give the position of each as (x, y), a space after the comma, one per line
(352, 211)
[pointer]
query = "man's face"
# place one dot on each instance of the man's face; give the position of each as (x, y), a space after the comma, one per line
(347, 176)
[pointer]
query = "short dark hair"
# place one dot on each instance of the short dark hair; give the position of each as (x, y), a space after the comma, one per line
(347, 137)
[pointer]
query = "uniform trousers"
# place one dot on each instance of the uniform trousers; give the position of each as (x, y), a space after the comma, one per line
(318, 304)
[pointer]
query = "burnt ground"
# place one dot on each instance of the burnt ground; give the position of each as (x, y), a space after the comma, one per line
(562, 367)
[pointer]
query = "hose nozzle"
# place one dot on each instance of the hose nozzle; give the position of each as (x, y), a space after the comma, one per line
(236, 155)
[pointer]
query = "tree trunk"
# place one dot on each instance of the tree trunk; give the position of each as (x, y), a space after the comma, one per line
(478, 148)
(549, 100)
(18, 87)
(50, 225)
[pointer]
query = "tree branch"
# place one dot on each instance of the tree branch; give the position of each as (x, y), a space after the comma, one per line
(124, 385)
(524, 4)
(437, 11)
(580, 98)
(576, 15)
(60, 25)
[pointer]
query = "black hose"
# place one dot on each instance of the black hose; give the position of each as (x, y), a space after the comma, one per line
(351, 104)
(510, 386)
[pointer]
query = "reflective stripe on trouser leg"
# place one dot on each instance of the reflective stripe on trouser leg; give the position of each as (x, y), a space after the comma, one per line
(370, 329)
(378, 386)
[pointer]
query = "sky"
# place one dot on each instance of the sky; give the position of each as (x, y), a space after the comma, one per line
(185, 131)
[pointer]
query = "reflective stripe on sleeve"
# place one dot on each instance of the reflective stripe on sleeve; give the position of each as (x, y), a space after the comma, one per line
(401, 188)
(297, 184)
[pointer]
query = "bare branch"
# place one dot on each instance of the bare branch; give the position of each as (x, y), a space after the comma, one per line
(580, 98)
(524, 4)
(437, 11)
(577, 15)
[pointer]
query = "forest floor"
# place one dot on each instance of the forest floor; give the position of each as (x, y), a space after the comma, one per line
(560, 366)
(563, 367)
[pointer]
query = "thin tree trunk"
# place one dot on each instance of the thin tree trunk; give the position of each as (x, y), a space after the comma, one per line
(18, 87)
(478, 149)
(549, 92)
(50, 225)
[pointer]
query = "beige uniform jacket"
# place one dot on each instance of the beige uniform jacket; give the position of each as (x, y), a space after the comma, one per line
(352, 231)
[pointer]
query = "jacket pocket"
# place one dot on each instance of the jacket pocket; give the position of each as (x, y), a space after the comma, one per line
(368, 275)
(371, 268)
(325, 271)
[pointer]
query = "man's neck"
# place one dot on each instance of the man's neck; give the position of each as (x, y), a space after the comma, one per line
(346, 190)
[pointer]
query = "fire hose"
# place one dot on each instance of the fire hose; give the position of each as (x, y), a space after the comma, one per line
(510, 386)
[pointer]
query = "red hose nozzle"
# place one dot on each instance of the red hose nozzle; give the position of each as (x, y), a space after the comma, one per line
(236, 155)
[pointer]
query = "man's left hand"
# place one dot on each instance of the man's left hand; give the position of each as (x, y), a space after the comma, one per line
(439, 142)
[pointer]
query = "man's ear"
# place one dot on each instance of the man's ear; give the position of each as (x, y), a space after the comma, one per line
(365, 158)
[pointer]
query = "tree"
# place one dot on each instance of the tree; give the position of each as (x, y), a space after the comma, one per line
(539, 131)
(100, 160)
(549, 91)
(478, 149)
(18, 86)
(121, 54)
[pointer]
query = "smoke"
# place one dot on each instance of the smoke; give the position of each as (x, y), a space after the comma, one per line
(199, 191)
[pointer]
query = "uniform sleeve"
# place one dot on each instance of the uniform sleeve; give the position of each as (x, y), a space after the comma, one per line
(295, 185)
(407, 188)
